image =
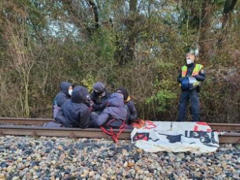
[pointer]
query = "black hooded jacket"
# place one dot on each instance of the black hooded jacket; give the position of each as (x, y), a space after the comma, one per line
(75, 112)
(132, 112)
(99, 102)
(63, 95)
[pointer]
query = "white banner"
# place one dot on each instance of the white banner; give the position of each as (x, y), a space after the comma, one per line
(196, 137)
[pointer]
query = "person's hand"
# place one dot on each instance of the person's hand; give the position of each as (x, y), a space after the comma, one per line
(192, 80)
(194, 77)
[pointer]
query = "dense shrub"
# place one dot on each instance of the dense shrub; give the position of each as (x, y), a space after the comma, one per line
(139, 45)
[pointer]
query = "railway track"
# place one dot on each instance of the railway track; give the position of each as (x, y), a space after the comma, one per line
(40, 121)
(24, 121)
(32, 127)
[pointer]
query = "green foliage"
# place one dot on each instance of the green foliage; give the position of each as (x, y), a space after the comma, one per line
(104, 42)
(141, 47)
(162, 99)
(218, 2)
(88, 81)
(164, 96)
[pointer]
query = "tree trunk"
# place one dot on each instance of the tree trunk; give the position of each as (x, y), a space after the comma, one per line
(205, 26)
(132, 35)
(227, 12)
(126, 48)
(95, 11)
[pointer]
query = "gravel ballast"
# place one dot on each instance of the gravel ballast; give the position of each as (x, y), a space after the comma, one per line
(64, 158)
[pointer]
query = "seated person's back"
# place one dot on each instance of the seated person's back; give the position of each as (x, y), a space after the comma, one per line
(61, 97)
(129, 105)
(75, 112)
(115, 110)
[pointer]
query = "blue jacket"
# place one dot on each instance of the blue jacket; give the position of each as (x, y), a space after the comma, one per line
(75, 112)
(115, 109)
(61, 97)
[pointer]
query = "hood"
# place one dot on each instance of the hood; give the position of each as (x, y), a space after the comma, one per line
(124, 92)
(98, 87)
(64, 87)
(116, 100)
(79, 94)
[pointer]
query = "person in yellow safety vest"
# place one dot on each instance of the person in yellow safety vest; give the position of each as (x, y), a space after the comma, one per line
(190, 77)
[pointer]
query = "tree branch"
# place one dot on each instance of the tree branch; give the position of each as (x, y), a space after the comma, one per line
(95, 11)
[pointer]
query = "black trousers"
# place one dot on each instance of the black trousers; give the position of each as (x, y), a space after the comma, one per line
(195, 106)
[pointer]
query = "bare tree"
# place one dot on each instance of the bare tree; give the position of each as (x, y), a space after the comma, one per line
(22, 59)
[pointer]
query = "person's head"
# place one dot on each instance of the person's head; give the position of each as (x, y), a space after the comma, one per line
(80, 94)
(124, 92)
(190, 58)
(66, 88)
(99, 89)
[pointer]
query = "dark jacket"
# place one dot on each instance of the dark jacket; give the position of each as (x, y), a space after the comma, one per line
(114, 110)
(99, 102)
(129, 105)
(61, 97)
(131, 111)
(200, 77)
(75, 112)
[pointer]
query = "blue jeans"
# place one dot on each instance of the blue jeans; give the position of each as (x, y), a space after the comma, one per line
(184, 100)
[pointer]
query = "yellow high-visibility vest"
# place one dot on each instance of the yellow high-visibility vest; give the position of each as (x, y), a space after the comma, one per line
(195, 72)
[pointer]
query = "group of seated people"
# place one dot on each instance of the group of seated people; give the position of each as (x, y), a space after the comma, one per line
(75, 107)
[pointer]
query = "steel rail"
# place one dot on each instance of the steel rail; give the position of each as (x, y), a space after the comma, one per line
(225, 138)
(40, 121)
(229, 138)
(58, 132)
(24, 121)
